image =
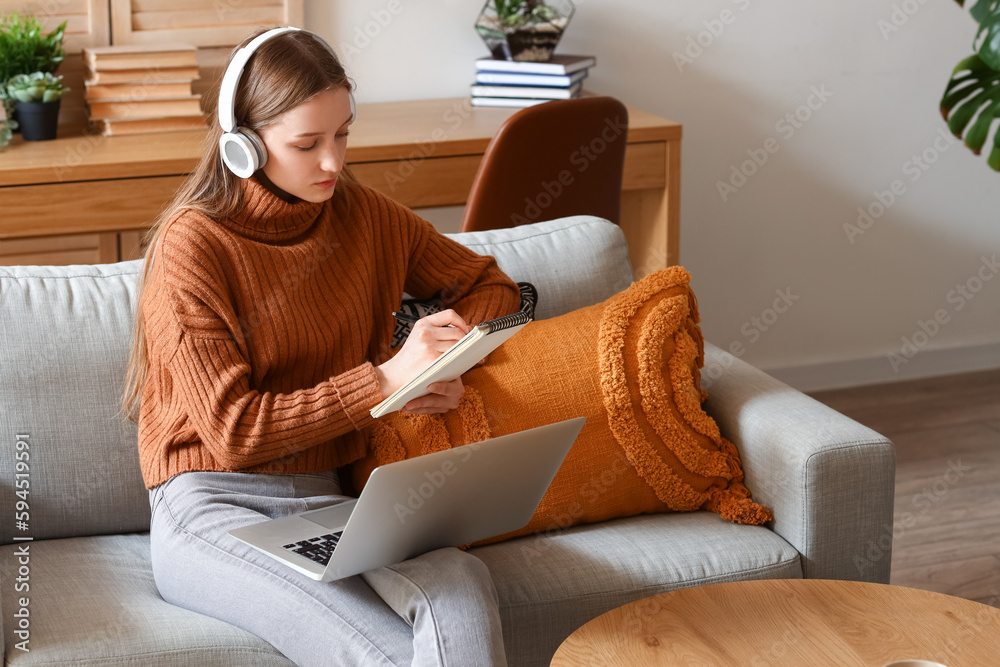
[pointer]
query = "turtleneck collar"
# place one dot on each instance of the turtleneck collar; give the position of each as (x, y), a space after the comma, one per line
(267, 217)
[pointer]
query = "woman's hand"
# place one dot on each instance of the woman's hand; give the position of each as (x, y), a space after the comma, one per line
(429, 338)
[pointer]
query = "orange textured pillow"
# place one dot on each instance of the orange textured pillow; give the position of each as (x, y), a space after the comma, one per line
(630, 365)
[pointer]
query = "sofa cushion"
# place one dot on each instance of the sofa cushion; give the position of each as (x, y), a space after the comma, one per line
(93, 601)
(65, 336)
(573, 262)
(64, 343)
(549, 585)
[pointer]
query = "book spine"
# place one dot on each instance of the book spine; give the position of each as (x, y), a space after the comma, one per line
(525, 91)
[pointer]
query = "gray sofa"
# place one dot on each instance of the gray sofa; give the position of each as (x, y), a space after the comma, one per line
(81, 591)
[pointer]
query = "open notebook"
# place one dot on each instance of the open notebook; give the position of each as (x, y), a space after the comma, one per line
(460, 357)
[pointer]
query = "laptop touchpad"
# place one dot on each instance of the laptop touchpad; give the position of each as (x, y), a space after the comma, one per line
(334, 517)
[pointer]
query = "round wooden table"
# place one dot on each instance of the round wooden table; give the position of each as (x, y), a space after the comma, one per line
(796, 622)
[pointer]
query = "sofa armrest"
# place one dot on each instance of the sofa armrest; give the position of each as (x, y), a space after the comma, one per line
(828, 479)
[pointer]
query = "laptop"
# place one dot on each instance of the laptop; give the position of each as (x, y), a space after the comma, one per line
(407, 508)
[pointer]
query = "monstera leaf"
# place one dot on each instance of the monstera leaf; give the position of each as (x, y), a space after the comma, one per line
(971, 102)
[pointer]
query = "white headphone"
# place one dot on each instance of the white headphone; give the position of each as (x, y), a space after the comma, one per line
(242, 150)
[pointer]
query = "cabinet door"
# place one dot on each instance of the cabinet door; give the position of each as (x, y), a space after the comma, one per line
(62, 249)
(130, 244)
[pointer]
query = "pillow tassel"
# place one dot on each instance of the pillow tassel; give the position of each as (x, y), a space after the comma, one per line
(734, 504)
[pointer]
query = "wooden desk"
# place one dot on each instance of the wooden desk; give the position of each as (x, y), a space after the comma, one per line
(87, 198)
(789, 622)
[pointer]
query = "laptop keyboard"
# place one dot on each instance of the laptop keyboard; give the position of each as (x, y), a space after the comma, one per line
(318, 549)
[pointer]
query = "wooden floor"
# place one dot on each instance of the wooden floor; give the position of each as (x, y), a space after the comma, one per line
(947, 513)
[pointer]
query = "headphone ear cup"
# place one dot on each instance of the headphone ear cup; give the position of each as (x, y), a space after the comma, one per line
(258, 145)
(242, 151)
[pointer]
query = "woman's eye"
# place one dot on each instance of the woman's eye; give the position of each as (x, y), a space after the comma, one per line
(343, 135)
(307, 148)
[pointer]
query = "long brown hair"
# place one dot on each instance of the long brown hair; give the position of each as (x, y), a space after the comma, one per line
(285, 71)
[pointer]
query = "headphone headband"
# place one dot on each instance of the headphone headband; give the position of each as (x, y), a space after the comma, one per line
(227, 91)
(241, 150)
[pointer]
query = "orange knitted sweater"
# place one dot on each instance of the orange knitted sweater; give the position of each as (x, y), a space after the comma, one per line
(262, 330)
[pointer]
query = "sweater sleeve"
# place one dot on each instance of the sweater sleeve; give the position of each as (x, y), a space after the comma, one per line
(241, 426)
(472, 284)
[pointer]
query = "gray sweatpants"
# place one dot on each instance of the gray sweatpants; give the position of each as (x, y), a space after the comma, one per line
(437, 609)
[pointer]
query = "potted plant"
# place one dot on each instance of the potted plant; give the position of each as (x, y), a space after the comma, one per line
(975, 85)
(24, 49)
(36, 97)
(6, 129)
(525, 30)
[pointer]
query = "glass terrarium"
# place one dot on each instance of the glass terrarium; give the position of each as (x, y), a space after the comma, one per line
(523, 29)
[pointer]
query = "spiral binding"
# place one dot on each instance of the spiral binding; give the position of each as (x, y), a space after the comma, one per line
(508, 321)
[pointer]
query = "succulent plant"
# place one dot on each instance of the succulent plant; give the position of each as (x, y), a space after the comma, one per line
(517, 12)
(5, 131)
(36, 87)
(24, 48)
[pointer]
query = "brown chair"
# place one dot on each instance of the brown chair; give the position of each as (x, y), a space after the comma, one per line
(551, 160)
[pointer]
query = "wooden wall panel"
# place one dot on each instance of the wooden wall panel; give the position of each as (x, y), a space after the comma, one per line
(223, 23)
(87, 21)
(211, 67)
(72, 109)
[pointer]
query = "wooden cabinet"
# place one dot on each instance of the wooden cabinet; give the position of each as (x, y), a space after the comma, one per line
(85, 198)
(92, 196)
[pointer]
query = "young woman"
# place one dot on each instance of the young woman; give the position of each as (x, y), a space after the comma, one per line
(261, 343)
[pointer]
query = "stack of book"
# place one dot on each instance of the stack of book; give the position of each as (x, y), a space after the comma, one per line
(512, 83)
(139, 89)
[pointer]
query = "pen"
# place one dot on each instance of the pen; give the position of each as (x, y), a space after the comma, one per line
(404, 317)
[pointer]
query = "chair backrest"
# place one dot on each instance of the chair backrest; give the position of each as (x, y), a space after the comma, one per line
(551, 160)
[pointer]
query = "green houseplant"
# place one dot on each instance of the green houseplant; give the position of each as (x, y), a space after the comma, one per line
(975, 85)
(37, 97)
(523, 29)
(25, 49)
(6, 128)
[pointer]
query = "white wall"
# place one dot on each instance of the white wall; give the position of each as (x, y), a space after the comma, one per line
(874, 93)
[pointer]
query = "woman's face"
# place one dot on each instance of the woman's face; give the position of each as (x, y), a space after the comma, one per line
(306, 147)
